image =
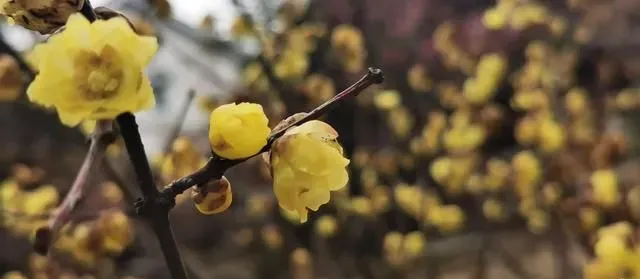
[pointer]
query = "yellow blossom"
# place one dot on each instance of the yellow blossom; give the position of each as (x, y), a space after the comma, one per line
(552, 136)
(116, 232)
(42, 16)
(494, 210)
(538, 221)
(348, 44)
(319, 88)
(238, 130)
(181, 161)
(612, 250)
(418, 78)
(241, 27)
(589, 218)
(14, 275)
(307, 164)
(413, 244)
(495, 18)
(447, 218)
(292, 65)
(605, 188)
(326, 226)
(387, 99)
(10, 79)
(96, 68)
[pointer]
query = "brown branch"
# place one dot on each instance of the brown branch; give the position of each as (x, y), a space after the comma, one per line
(175, 131)
(101, 138)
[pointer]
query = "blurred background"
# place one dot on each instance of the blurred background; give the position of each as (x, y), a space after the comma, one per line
(502, 144)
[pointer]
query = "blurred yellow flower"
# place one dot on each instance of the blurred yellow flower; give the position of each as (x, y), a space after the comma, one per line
(238, 130)
(413, 244)
(348, 45)
(307, 164)
(447, 218)
(387, 99)
(494, 210)
(212, 198)
(116, 232)
(418, 78)
(181, 161)
(14, 275)
(319, 88)
(291, 65)
(241, 27)
(96, 68)
(605, 188)
(37, 15)
(326, 226)
(589, 218)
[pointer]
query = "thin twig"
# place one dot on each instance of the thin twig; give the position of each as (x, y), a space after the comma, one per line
(216, 166)
(175, 132)
(511, 263)
(101, 138)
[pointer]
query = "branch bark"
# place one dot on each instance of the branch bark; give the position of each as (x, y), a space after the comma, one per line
(102, 137)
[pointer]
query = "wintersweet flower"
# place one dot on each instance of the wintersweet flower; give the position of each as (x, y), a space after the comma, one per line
(96, 70)
(37, 15)
(238, 130)
(307, 163)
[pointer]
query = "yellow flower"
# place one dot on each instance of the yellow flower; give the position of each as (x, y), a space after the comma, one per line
(387, 99)
(181, 161)
(348, 44)
(241, 27)
(10, 79)
(116, 232)
(605, 188)
(291, 65)
(96, 69)
(326, 226)
(307, 164)
(494, 210)
(495, 18)
(418, 78)
(319, 88)
(214, 197)
(38, 15)
(447, 218)
(14, 275)
(238, 130)
(413, 244)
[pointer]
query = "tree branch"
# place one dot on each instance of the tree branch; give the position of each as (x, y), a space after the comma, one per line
(216, 166)
(102, 137)
(175, 132)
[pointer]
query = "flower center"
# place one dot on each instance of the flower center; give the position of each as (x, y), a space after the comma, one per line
(98, 74)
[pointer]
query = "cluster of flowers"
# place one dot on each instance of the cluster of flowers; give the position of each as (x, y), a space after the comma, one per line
(94, 237)
(517, 132)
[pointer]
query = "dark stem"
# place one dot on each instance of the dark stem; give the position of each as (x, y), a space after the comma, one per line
(175, 132)
(88, 12)
(216, 166)
(45, 236)
(24, 66)
(151, 206)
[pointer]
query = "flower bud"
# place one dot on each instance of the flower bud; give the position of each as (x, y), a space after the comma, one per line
(214, 197)
(42, 16)
(238, 130)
